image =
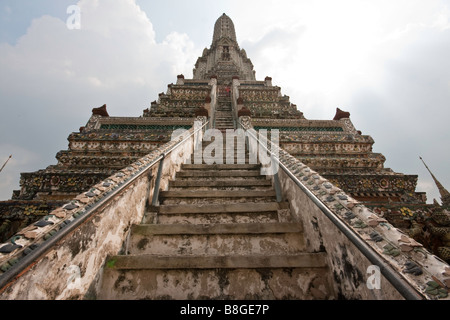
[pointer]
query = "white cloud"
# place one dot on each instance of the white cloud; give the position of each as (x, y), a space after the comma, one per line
(53, 76)
(384, 61)
(7, 10)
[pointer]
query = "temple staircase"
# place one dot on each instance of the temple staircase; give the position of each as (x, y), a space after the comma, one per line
(219, 233)
(223, 115)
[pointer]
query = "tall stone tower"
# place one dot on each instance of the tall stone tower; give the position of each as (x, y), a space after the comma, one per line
(128, 212)
(222, 88)
(224, 58)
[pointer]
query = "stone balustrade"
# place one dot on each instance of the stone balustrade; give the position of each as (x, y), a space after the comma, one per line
(425, 272)
(69, 267)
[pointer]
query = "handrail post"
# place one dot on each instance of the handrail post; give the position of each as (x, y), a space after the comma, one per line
(158, 181)
(276, 179)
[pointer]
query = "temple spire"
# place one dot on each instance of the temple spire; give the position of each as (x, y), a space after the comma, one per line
(224, 59)
(445, 195)
(224, 28)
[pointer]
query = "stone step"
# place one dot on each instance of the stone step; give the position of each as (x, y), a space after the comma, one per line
(288, 283)
(210, 229)
(208, 180)
(241, 147)
(221, 167)
(204, 201)
(218, 173)
(216, 239)
(225, 152)
(223, 218)
(212, 187)
(226, 156)
(253, 182)
(147, 261)
(216, 194)
(217, 244)
(221, 208)
(208, 161)
(206, 177)
(213, 150)
(225, 125)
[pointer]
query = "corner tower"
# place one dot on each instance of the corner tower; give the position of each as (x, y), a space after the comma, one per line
(224, 59)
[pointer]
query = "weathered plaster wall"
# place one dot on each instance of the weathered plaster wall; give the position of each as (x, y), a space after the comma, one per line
(68, 270)
(424, 272)
(72, 268)
(348, 267)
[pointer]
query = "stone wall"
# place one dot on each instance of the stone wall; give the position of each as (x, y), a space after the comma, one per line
(72, 266)
(426, 274)
(348, 266)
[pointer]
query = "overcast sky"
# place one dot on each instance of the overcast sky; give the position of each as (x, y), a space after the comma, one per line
(386, 62)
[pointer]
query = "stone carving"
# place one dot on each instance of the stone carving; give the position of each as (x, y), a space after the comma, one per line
(224, 59)
(341, 114)
(439, 226)
(101, 111)
(246, 122)
(201, 112)
(244, 112)
(263, 95)
(203, 119)
(348, 125)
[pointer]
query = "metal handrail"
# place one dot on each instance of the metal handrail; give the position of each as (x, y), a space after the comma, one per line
(42, 249)
(399, 283)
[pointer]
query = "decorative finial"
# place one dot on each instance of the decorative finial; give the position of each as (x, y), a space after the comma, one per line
(5, 163)
(341, 114)
(445, 195)
(224, 28)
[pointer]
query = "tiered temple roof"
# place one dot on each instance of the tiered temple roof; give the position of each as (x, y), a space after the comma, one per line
(332, 147)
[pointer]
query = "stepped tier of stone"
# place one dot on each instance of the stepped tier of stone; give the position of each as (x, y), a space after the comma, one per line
(223, 115)
(218, 233)
(227, 204)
